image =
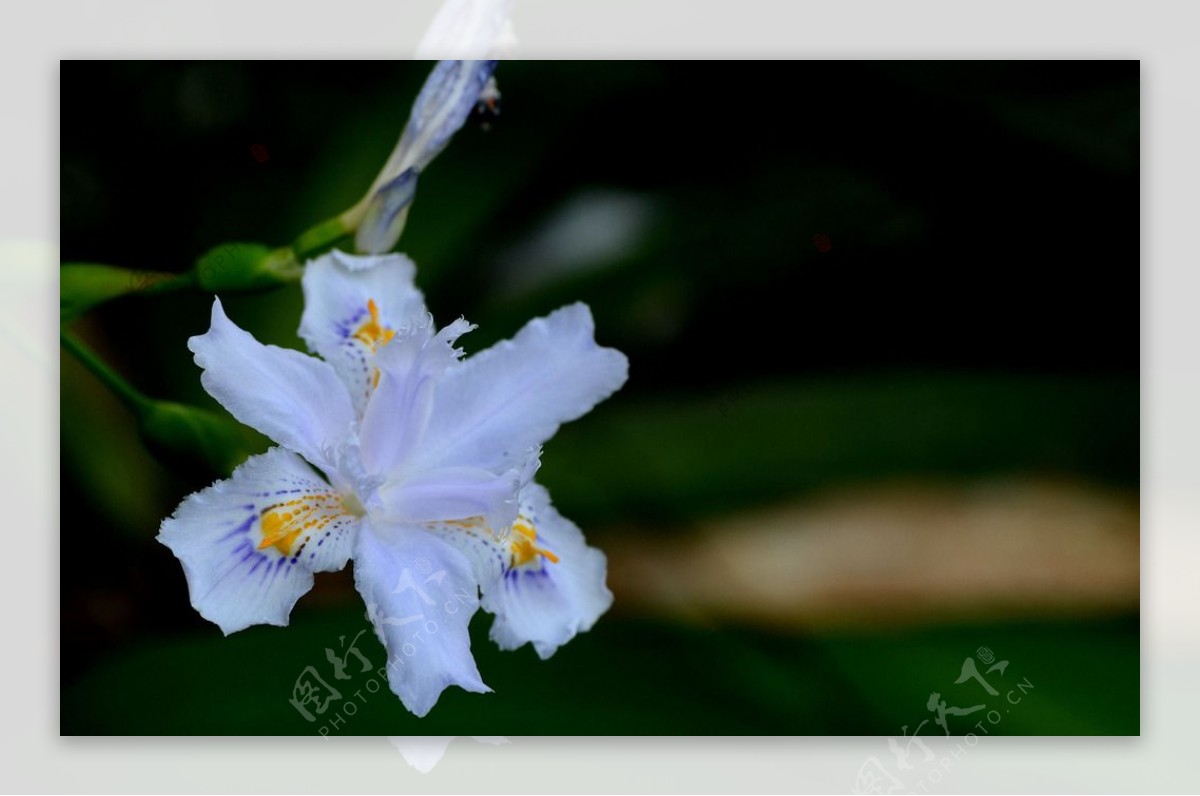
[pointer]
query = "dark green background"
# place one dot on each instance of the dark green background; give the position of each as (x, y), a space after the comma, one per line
(976, 315)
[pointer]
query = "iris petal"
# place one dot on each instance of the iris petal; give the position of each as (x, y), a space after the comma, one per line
(294, 399)
(340, 291)
(249, 544)
(557, 591)
(420, 595)
(498, 405)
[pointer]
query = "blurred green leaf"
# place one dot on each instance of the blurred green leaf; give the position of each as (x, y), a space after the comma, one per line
(1076, 678)
(623, 678)
(682, 458)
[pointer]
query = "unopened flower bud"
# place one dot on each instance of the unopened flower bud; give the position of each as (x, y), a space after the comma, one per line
(442, 107)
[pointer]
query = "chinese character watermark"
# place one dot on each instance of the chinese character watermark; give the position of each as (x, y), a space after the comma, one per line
(316, 699)
(875, 777)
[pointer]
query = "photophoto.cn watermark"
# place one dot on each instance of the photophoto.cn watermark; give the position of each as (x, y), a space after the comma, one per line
(916, 769)
(330, 704)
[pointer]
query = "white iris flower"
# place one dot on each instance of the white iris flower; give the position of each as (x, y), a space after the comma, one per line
(418, 464)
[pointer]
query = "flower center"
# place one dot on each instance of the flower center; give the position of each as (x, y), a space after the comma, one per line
(353, 505)
(283, 523)
(372, 333)
(524, 544)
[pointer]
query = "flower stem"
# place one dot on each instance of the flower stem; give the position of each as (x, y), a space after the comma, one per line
(159, 282)
(133, 400)
(321, 236)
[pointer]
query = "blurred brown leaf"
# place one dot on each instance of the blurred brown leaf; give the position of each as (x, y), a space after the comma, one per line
(898, 553)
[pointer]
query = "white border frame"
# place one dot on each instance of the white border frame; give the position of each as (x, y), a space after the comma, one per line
(37, 35)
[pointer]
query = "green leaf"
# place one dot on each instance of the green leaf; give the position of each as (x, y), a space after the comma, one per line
(625, 677)
(676, 459)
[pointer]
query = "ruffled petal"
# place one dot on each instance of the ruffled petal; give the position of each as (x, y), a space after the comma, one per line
(294, 399)
(249, 544)
(353, 306)
(420, 595)
(551, 584)
(495, 407)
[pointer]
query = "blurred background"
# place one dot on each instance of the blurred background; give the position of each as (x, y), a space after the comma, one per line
(883, 407)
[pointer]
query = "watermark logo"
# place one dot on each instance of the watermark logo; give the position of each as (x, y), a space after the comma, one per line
(328, 700)
(312, 694)
(339, 662)
(914, 761)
